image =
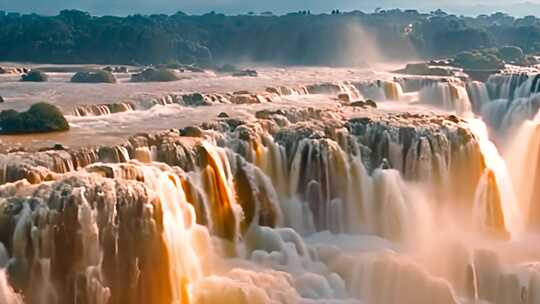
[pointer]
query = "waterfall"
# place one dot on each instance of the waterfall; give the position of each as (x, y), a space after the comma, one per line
(103, 109)
(522, 157)
(516, 99)
(495, 201)
(478, 95)
(299, 205)
(450, 96)
(380, 90)
(178, 223)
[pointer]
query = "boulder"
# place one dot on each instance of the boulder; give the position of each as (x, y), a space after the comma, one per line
(35, 76)
(223, 115)
(191, 131)
(344, 97)
(358, 104)
(195, 99)
(2, 100)
(363, 103)
(94, 77)
(155, 75)
(371, 103)
(41, 117)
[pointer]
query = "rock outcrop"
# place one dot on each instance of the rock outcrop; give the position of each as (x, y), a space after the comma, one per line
(94, 77)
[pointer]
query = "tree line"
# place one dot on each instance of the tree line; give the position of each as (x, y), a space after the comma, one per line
(301, 38)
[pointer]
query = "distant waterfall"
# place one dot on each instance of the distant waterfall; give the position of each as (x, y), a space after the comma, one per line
(448, 95)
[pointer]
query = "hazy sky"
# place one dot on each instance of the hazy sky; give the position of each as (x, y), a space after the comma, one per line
(124, 7)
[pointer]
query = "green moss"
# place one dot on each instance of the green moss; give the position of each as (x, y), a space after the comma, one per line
(41, 117)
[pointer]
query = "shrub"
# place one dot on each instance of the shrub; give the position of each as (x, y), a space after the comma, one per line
(35, 76)
(478, 61)
(39, 118)
(511, 53)
(157, 75)
(94, 77)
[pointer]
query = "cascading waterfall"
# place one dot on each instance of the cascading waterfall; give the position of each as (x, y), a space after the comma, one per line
(103, 109)
(523, 159)
(495, 202)
(478, 94)
(296, 206)
(515, 98)
(178, 221)
(447, 95)
(380, 90)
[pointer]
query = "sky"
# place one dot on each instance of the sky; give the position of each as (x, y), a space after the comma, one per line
(126, 7)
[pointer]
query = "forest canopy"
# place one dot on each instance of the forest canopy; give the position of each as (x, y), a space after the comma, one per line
(299, 38)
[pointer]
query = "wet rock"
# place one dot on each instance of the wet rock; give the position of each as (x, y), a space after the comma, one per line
(324, 88)
(273, 91)
(364, 104)
(344, 97)
(453, 118)
(60, 147)
(242, 92)
(191, 131)
(358, 104)
(234, 123)
(195, 99)
(246, 99)
(263, 114)
(371, 103)
(56, 147)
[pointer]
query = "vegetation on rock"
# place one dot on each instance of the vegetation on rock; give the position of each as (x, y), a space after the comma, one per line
(39, 118)
(493, 58)
(35, 76)
(94, 77)
(157, 75)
